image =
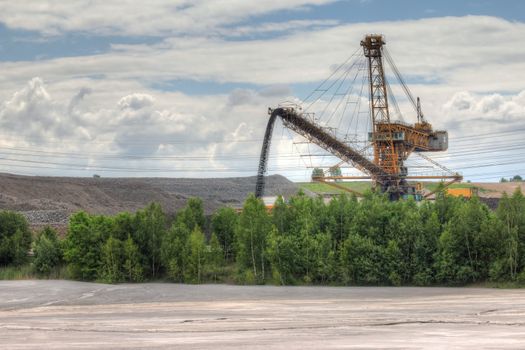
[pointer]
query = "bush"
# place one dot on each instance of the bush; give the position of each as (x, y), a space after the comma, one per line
(83, 244)
(133, 270)
(423, 278)
(251, 235)
(196, 257)
(215, 259)
(223, 223)
(150, 229)
(245, 277)
(174, 251)
(371, 242)
(112, 261)
(47, 251)
(15, 238)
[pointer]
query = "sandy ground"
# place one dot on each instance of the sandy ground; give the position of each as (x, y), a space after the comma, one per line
(75, 315)
(496, 189)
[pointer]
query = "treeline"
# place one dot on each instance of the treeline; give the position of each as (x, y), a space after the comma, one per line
(515, 178)
(373, 241)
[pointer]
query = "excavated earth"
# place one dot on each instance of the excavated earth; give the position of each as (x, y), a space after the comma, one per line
(51, 200)
(77, 315)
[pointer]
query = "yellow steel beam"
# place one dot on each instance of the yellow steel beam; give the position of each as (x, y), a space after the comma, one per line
(343, 178)
(423, 177)
(418, 177)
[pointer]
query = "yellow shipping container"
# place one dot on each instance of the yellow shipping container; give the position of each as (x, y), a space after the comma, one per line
(467, 192)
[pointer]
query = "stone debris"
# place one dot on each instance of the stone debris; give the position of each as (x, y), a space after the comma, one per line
(51, 200)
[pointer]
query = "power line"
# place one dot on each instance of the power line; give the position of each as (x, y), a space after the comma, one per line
(69, 166)
(154, 140)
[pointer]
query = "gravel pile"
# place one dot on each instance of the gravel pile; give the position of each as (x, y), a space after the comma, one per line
(50, 200)
(47, 217)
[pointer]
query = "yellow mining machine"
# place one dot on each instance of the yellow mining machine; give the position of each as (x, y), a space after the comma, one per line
(392, 141)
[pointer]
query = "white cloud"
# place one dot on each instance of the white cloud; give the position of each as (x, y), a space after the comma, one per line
(165, 132)
(430, 49)
(461, 101)
(491, 112)
(277, 27)
(473, 62)
(127, 17)
(136, 101)
(32, 113)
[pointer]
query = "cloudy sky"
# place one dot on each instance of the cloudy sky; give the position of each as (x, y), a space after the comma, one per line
(182, 88)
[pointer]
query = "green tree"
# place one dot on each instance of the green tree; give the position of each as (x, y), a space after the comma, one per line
(425, 246)
(323, 260)
(15, 238)
(192, 214)
(335, 171)
(393, 262)
(132, 268)
(224, 222)
(406, 231)
(47, 251)
(175, 251)
(373, 219)
(317, 172)
(150, 225)
(341, 213)
(283, 252)
(518, 210)
(511, 215)
(375, 241)
(461, 247)
(83, 244)
(197, 257)
(446, 206)
(360, 261)
(124, 225)
(304, 220)
(215, 258)
(251, 236)
(112, 266)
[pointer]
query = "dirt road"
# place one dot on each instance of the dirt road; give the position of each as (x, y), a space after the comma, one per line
(75, 315)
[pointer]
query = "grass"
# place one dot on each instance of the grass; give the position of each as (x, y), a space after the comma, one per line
(321, 188)
(362, 186)
(227, 275)
(26, 272)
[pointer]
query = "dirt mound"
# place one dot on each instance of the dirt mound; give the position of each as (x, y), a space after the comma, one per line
(50, 200)
(496, 189)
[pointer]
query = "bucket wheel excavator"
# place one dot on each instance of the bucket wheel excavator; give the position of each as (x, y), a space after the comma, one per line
(391, 141)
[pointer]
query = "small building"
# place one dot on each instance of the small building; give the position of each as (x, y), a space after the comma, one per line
(269, 201)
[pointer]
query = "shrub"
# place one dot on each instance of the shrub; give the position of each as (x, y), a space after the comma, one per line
(15, 238)
(47, 251)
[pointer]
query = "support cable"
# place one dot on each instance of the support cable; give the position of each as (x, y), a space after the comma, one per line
(324, 91)
(400, 78)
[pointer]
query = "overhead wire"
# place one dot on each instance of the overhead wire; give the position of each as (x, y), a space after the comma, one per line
(349, 94)
(348, 91)
(459, 139)
(318, 88)
(399, 77)
(481, 151)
